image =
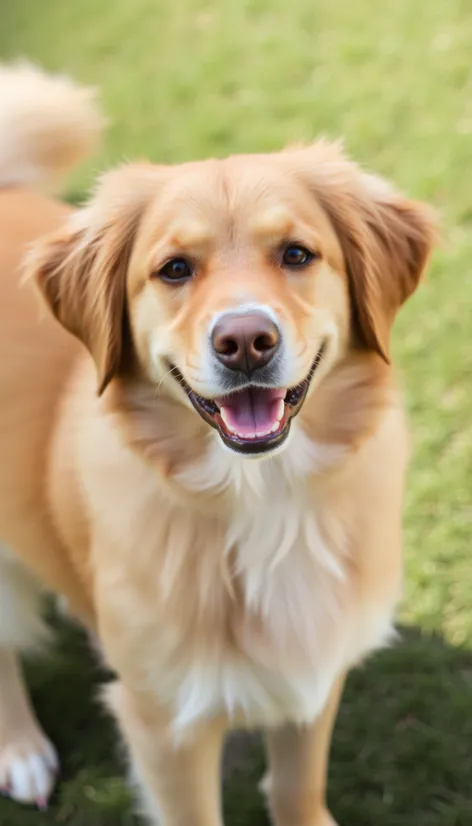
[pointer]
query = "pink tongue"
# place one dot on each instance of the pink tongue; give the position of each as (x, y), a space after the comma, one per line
(252, 412)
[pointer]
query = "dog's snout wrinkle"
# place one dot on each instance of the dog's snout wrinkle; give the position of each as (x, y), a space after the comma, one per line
(245, 343)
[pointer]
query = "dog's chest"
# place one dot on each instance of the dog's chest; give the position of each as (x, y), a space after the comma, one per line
(275, 646)
(247, 610)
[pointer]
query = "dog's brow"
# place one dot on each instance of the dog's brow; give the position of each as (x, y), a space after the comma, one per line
(273, 222)
(189, 234)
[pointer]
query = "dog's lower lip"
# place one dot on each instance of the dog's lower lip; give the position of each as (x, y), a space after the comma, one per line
(212, 414)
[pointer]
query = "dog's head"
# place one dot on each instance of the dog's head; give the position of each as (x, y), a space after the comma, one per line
(236, 284)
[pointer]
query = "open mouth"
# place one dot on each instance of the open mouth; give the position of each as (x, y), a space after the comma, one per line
(255, 419)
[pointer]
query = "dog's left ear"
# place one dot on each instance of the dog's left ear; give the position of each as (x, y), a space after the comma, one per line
(81, 270)
(386, 239)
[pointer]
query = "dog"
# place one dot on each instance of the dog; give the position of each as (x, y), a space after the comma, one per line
(202, 444)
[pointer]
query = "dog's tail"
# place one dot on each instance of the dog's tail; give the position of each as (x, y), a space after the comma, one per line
(48, 124)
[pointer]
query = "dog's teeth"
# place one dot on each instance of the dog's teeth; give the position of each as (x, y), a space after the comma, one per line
(225, 419)
(280, 410)
(229, 427)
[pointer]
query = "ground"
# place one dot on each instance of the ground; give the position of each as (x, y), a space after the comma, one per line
(186, 79)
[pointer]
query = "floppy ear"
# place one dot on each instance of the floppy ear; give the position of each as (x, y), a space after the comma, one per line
(386, 239)
(81, 270)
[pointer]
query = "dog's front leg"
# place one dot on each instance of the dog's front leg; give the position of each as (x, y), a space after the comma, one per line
(298, 760)
(180, 781)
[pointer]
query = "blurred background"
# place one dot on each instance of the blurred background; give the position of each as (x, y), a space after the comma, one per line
(184, 79)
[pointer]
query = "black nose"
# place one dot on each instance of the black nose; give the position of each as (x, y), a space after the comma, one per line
(245, 342)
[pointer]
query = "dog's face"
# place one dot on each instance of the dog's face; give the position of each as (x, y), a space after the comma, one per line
(241, 282)
(236, 291)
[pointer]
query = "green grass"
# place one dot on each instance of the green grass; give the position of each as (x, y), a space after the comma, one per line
(187, 79)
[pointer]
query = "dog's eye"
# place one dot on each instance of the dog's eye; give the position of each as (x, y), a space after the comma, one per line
(296, 256)
(176, 271)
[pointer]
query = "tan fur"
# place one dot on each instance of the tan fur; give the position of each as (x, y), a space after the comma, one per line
(225, 590)
(386, 239)
(47, 125)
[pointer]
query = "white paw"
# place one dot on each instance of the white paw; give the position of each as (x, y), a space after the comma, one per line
(28, 768)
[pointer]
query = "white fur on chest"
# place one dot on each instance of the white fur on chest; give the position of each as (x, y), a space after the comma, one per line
(297, 587)
(301, 623)
(284, 570)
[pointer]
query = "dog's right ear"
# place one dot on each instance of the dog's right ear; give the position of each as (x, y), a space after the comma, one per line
(81, 270)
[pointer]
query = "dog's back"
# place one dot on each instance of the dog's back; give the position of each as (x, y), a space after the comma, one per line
(47, 124)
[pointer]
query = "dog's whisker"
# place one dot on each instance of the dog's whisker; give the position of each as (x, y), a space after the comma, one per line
(171, 371)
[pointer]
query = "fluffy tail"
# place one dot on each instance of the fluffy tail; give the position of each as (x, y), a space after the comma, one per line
(47, 125)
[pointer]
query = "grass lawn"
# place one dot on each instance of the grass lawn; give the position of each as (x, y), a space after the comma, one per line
(187, 78)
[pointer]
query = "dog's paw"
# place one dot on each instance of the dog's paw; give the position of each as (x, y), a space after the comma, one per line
(28, 768)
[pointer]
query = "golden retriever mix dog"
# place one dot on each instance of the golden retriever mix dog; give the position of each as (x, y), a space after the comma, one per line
(202, 447)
